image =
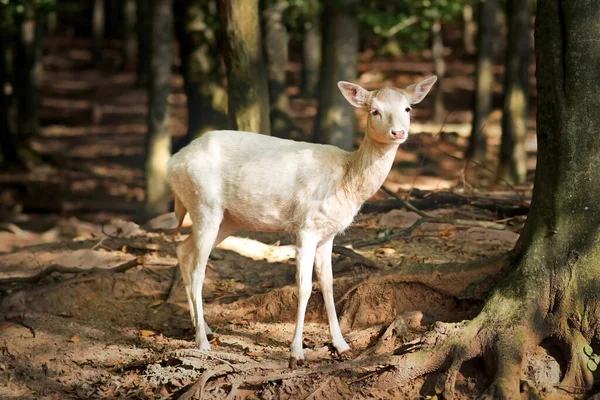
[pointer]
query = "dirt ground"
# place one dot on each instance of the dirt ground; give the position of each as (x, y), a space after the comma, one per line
(84, 277)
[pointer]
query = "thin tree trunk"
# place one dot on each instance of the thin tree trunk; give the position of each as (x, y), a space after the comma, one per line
(98, 22)
(28, 75)
(201, 62)
(311, 59)
(335, 122)
(439, 67)
(131, 41)
(469, 29)
(513, 157)
(484, 79)
(158, 145)
(276, 40)
(9, 155)
(144, 19)
(246, 72)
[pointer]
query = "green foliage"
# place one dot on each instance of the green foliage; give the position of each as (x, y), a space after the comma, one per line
(301, 15)
(407, 21)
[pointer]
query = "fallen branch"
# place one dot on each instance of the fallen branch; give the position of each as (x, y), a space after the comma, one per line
(434, 200)
(72, 270)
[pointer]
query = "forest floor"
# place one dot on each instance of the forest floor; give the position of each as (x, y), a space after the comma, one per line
(83, 278)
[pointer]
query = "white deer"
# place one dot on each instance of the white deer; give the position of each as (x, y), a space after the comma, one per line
(227, 180)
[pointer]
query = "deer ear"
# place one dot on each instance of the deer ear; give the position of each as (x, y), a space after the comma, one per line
(356, 95)
(418, 91)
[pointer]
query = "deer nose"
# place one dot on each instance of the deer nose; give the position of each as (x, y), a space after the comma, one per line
(401, 134)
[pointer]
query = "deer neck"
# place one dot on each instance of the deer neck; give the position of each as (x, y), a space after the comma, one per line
(367, 168)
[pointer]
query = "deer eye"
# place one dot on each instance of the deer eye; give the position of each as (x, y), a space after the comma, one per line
(407, 109)
(374, 112)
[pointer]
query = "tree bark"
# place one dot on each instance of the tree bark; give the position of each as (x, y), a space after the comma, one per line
(130, 52)
(144, 19)
(276, 40)
(246, 71)
(98, 23)
(484, 79)
(311, 59)
(513, 158)
(550, 290)
(158, 144)
(201, 69)
(439, 68)
(335, 122)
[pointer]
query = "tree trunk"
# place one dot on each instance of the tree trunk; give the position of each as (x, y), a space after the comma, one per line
(206, 97)
(484, 79)
(130, 52)
(144, 19)
(276, 53)
(335, 122)
(513, 158)
(9, 155)
(28, 75)
(311, 59)
(550, 291)
(158, 145)
(439, 68)
(246, 72)
(469, 29)
(98, 22)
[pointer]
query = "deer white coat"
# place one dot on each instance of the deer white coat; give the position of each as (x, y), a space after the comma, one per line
(231, 179)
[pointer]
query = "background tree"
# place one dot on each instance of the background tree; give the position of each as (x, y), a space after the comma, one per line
(303, 19)
(21, 72)
(484, 78)
(130, 50)
(201, 67)
(335, 123)
(513, 157)
(550, 289)
(276, 43)
(158, 144)
(144, 18)
(439, 69)
(98, 25)
(469, 29)
(248, 104)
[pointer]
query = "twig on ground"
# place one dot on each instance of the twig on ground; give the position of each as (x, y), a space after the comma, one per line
(197, 389)
(371, 374)
(348, 252)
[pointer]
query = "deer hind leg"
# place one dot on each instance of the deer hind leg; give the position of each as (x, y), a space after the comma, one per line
(184, 252)
(323, 270)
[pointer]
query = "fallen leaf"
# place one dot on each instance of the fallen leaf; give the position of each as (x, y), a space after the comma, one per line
(146, 333)
(254, 354)
(75, 339)
(155, 303)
